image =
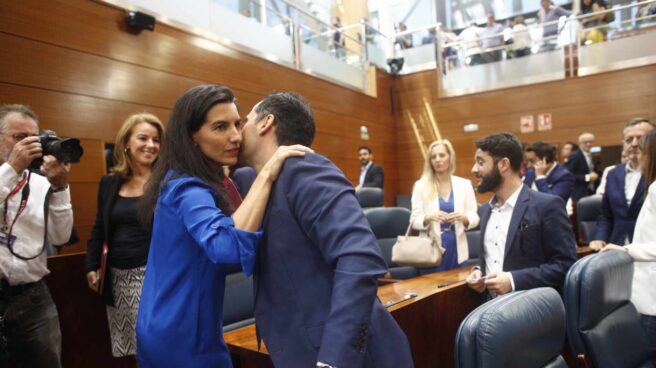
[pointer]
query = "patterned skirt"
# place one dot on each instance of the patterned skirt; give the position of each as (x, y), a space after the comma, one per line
(122, 317)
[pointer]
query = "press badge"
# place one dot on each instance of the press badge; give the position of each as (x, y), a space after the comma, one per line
(3, 239)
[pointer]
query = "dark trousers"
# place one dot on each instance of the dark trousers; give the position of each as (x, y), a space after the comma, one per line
(31, 327)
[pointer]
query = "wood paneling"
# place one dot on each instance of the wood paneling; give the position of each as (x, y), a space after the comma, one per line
(600, 104)
(84, 73)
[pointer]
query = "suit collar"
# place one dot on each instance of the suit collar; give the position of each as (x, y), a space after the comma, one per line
(518, 212)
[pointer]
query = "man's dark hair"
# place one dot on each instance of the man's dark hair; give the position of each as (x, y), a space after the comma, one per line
(179, 152)
(574, 145)
(543, 150)
(293, 115)
(364, 148)
(638, 120)
(502, 145)
(17, 108)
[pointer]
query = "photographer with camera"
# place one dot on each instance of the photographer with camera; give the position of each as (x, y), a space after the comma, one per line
(36, 210)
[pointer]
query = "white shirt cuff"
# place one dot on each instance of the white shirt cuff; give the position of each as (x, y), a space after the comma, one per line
(512, 281)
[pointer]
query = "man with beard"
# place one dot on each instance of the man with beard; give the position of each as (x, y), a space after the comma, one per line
(527, 240)
(317, 269)
(371, 175)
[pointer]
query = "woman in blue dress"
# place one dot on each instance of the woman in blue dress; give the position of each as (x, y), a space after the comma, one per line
(196, 232)
(444, 205)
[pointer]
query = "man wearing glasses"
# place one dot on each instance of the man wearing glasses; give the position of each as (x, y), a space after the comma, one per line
(29, 324)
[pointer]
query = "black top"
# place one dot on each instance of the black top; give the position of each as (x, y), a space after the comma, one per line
(130, 241)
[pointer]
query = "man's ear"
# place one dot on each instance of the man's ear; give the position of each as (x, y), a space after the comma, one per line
(267, 124)
(503, 164)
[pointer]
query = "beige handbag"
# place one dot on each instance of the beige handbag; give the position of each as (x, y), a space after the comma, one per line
(417, 251)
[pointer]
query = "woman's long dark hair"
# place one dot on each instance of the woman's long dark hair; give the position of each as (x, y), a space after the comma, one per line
(180, 154)
(648, 152)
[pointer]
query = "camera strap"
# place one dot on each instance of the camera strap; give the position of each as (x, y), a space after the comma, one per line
(24, 187)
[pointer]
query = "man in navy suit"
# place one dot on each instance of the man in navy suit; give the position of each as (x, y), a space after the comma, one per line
(581, 164)
(317, 270)
(526, 237)
(371, 175)
(551, 177)
(625, 191)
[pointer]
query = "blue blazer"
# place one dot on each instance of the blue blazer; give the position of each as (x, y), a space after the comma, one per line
(617, 219)
(540, 246)
(578, 166)
(559, 182)
(316, 275)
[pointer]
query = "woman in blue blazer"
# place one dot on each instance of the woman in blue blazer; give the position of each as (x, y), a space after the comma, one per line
(196, 232)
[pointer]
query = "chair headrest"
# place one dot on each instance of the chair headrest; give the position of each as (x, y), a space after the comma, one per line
(587, 208)
(521, 329)
(604, 284)
(388, 222)
(370, 197)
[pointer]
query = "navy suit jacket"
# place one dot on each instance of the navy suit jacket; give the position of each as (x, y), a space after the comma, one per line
(578, 166)
(559, 182)
(617, 219)
(375, 177)
(316, 275)
(540, 246)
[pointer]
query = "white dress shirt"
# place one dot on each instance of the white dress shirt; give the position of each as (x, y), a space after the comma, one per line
(29, 227)
(643, 251)
(496, 232)
(631, 181)
(363, 173)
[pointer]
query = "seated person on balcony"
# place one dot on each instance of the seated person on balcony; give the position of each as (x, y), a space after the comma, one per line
(544, 174)
(549, 13)
(404, 41)
(624, 193)
(596, 22)
(521, 38)
(471, 44)
(491, 37)
(431, 38)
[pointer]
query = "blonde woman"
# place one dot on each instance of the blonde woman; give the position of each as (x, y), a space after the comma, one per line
(137, 148)
(444, 205)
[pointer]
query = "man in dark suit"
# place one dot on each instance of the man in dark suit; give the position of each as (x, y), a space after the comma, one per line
(526, 238)
(624, 193)
(317, 270)
(371, 175)
(581, 164)
(551, 178)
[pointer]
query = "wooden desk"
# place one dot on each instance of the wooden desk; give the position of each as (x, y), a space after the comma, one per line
(584, 251)
(430, 320)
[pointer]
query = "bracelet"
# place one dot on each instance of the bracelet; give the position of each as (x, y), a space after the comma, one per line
(55, 190)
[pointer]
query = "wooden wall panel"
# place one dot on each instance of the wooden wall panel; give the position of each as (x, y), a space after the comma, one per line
(83, 72)
(600, 104)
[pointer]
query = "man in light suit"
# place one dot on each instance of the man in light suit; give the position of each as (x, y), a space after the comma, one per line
(624, 192)
(317, 270)
(551, 177)
(526, 237)
(581, 164)
(371, 175)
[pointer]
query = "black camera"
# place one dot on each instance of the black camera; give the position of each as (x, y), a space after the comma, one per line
(65, 150)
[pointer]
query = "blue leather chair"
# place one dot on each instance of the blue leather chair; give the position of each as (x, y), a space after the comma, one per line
(473, 240)
(518, 330)
(387, 223)
(603, 325)
(404, 200)
(238, 302)
(587, 213)
(370, 197)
